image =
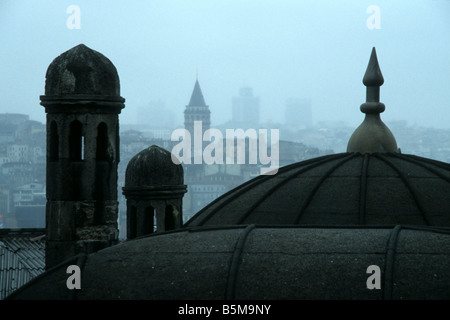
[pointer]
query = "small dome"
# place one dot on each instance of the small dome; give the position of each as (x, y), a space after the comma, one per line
(153, 167)
(340, 189)
(82, 71)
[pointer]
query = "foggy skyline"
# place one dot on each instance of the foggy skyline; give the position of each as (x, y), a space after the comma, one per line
(315, 50)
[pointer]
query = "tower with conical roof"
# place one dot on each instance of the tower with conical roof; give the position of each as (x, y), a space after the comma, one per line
(197, 110)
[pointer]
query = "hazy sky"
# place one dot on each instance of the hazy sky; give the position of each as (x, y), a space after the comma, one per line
(283, 49)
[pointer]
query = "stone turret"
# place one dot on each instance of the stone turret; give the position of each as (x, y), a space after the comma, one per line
(82, 101)
(154, 190)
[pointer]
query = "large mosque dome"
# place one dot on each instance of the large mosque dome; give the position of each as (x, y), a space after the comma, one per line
(373, 183)
(340, 189)
(257, 263)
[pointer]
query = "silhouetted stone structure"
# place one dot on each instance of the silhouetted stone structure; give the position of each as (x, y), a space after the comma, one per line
(256, 262)
(82, 101)
(154, 190)
(309, 232)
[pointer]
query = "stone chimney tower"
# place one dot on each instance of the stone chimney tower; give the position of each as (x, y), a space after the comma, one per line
(82, 101)
(154, 188)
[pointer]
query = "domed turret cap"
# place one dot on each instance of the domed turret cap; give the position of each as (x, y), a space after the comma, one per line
(82, 75)
(153, 169)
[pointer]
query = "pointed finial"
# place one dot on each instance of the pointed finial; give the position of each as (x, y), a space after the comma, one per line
(373, 80)
(372, 135)
(196, 74)
(373, 76)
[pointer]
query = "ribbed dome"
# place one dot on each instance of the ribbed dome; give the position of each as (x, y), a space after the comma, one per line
(82, 71)
(256, 262)
(341, 189)
(153, 167)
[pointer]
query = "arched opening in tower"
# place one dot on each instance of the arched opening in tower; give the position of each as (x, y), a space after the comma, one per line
(76, 141)
(169, 218)
(132, 228)
(54, 142)
(102, 153)
(149, 223)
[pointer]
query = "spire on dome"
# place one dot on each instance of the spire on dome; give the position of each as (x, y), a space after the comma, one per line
(373, 80)
(372, 135)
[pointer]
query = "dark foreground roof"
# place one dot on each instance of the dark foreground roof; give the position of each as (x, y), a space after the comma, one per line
(260, 262)
(340, 189)
(22, 257)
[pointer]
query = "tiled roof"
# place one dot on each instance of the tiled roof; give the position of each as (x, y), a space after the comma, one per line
(22, 257)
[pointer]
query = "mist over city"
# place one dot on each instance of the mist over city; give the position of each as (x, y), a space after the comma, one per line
(313, 50)
(291, 66)
(273, 110)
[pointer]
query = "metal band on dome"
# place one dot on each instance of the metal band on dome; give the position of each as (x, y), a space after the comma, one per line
(161, 192)
(107, 104)
(75, 98)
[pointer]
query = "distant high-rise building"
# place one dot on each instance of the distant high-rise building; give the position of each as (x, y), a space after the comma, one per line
(156, 115)
(245, 107)
(156, 120)
(298, 112)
